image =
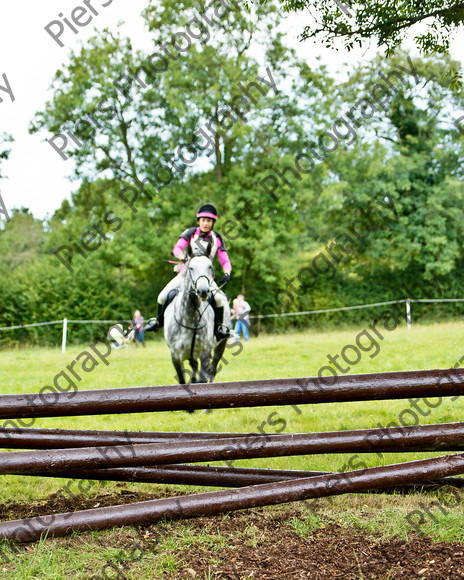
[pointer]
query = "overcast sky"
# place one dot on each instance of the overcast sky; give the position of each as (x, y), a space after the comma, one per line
(37, 176)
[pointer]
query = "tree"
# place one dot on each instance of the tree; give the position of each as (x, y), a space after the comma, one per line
(4, 154)
(20, 241)
(4, 138)
(414, 163)
(386, 22)
(190, 134)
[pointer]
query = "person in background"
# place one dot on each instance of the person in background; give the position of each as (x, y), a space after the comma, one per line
(137, 325)
(234, 309)
(241, 310)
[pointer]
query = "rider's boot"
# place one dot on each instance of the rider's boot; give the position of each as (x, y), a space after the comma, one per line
(156, 323)
(220, 331)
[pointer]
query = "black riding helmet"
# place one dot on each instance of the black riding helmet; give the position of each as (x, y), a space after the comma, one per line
(208, 211)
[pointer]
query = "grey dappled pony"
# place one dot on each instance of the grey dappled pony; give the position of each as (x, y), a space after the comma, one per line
(189, 325)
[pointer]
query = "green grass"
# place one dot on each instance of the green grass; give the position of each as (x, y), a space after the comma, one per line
(290, 355)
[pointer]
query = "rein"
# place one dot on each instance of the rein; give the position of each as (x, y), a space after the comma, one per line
(195, 328)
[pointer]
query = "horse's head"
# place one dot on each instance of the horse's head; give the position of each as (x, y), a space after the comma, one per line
(200, 272)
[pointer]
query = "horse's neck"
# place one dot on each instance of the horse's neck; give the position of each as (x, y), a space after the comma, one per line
(189, 305)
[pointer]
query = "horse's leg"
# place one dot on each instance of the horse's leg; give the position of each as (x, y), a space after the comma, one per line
(181, 376)
(179, 370)
(194, 364)
(204, 369)
(217, 355)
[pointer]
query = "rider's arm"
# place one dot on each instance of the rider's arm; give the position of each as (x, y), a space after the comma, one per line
(182, 243)
(179, 248)
(223, 256)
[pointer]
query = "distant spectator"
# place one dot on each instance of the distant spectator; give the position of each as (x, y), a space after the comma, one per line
(137, 325)
(241, 313)
(235, 307)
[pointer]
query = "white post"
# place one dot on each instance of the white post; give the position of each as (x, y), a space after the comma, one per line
(408, 313)
(65, 331)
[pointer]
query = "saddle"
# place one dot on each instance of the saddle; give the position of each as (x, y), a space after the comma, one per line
(172, 294)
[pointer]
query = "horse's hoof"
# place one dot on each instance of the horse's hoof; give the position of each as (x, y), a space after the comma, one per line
(206, 411)
(190, 410)
(194, 380)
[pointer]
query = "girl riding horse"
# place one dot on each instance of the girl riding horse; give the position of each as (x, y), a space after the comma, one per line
(200, 241)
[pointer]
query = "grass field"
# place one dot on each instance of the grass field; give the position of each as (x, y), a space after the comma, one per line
(290, 355)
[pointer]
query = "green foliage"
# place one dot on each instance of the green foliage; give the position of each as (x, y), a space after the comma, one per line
(414, 164)
(386, 22)
(4, 151)
(407, 154)
(4, 138)
(297, 354)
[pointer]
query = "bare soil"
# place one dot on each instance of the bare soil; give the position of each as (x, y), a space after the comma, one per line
(261, 544)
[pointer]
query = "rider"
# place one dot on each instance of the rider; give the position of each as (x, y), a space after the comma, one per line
(203, 241)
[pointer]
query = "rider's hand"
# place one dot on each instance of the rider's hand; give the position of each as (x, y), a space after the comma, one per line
(224, 279)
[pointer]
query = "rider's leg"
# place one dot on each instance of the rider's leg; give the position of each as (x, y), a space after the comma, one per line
(220, 329)
(158, 322)
(222, 313)
(175, 283)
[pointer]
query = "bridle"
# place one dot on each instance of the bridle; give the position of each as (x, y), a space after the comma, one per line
(193, 292)
(194, 289)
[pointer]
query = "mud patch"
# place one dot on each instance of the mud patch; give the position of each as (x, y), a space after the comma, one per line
(264, 544)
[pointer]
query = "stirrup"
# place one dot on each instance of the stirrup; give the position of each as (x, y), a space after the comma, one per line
(222, 332)
(153, 324)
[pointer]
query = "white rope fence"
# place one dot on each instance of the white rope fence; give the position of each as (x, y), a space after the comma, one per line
(327, 309)
(59, 322)
(65, 323)
(31, 325)
(407, 301)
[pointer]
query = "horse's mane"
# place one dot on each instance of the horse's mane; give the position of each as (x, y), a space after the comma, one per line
(206, 252)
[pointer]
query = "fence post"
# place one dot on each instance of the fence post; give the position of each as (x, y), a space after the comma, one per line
(408, 312)
(65, 331)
